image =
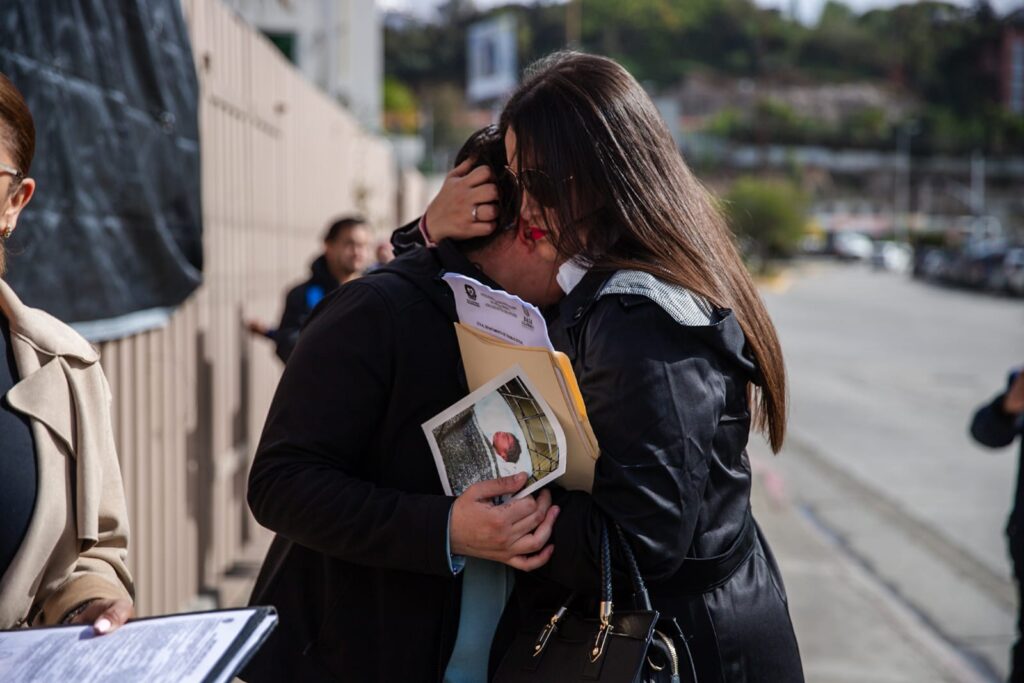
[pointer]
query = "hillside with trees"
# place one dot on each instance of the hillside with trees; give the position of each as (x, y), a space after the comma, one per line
(937, 62)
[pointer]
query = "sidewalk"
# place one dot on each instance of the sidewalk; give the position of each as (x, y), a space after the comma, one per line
(849, 626)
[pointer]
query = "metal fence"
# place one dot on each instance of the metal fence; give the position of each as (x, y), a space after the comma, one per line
(279, 159)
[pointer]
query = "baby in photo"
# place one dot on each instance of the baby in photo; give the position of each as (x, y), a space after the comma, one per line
(508, 453)
(502, 429)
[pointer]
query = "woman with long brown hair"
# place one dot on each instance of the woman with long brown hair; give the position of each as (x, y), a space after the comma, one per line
(676, 358)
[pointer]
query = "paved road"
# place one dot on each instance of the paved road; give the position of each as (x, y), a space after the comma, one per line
(849, 627)
(885, 373)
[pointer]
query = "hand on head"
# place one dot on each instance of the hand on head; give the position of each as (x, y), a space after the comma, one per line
(515, 533)
(451, 213)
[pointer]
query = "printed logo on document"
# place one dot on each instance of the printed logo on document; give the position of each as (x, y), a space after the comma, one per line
(527, 318)
(471, 293)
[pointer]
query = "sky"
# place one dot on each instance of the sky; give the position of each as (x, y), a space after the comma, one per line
(808, 10)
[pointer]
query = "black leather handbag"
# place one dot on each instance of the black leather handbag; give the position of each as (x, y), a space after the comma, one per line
(613, 646)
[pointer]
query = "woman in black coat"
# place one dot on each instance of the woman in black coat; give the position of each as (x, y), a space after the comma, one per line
(676, 358)
(664, 377)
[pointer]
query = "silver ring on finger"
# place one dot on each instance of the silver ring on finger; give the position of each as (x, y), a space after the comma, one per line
(475, 207)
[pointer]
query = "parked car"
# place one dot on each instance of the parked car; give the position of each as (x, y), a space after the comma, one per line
(983, 271)
(852, 246)
(928, 262)
(891, 256)
(936, 264)
(973, 265)
(1010, 278)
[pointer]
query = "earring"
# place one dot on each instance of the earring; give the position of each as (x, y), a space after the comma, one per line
(6, 232)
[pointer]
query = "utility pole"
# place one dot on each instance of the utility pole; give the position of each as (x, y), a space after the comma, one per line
(978, 182)
(902, 208)
(574, 23)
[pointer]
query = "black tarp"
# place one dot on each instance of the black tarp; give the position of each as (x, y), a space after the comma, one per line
(114, 232)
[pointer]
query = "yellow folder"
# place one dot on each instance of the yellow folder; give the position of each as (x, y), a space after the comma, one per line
(485, 357)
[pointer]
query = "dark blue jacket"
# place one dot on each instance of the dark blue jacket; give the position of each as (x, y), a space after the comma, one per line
(299, 303)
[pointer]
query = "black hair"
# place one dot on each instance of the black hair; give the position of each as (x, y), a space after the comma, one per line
(345, 223)
(487, 148)
(514, 451)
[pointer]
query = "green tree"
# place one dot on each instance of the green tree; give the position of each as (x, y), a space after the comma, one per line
(768, 216)
(401, 110)
(867, 127)
(938, 53)
(660, 41)
(840, 47)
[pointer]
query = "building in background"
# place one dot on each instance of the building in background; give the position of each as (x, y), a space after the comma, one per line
(337, 44)
(491, 59)
(1011, 71)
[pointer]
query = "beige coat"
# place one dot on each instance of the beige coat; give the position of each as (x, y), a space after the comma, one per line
(77, 541)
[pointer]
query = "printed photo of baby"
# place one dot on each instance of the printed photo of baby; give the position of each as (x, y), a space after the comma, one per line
(500, 430)
(509, 453)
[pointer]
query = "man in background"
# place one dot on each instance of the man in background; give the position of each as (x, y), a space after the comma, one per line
(345, 256)
(996, 425)
(384, 253)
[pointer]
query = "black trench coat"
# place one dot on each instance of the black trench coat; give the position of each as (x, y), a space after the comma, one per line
(668, 403)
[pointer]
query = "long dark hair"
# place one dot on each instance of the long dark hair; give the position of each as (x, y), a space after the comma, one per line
(631, 202)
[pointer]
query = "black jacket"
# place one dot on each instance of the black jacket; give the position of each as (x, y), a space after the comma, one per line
(995, 428)
(299, 303)
(668, 405)
(359, 570)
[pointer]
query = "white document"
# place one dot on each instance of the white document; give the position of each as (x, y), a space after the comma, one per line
(499, 314)
(203, 647)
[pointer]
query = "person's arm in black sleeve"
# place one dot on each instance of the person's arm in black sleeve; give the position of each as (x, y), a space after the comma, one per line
(992, 426)
(655, 406)
(306, 483)
(407, 238)
(464, 207)
(291, 323)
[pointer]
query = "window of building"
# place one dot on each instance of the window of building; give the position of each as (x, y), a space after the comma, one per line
(285, 42)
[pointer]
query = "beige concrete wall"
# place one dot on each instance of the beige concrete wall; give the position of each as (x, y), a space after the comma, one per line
(412, 195)
(279, 160)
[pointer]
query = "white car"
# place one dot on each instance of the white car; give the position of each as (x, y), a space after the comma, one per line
(892, 256)
(853, 246)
